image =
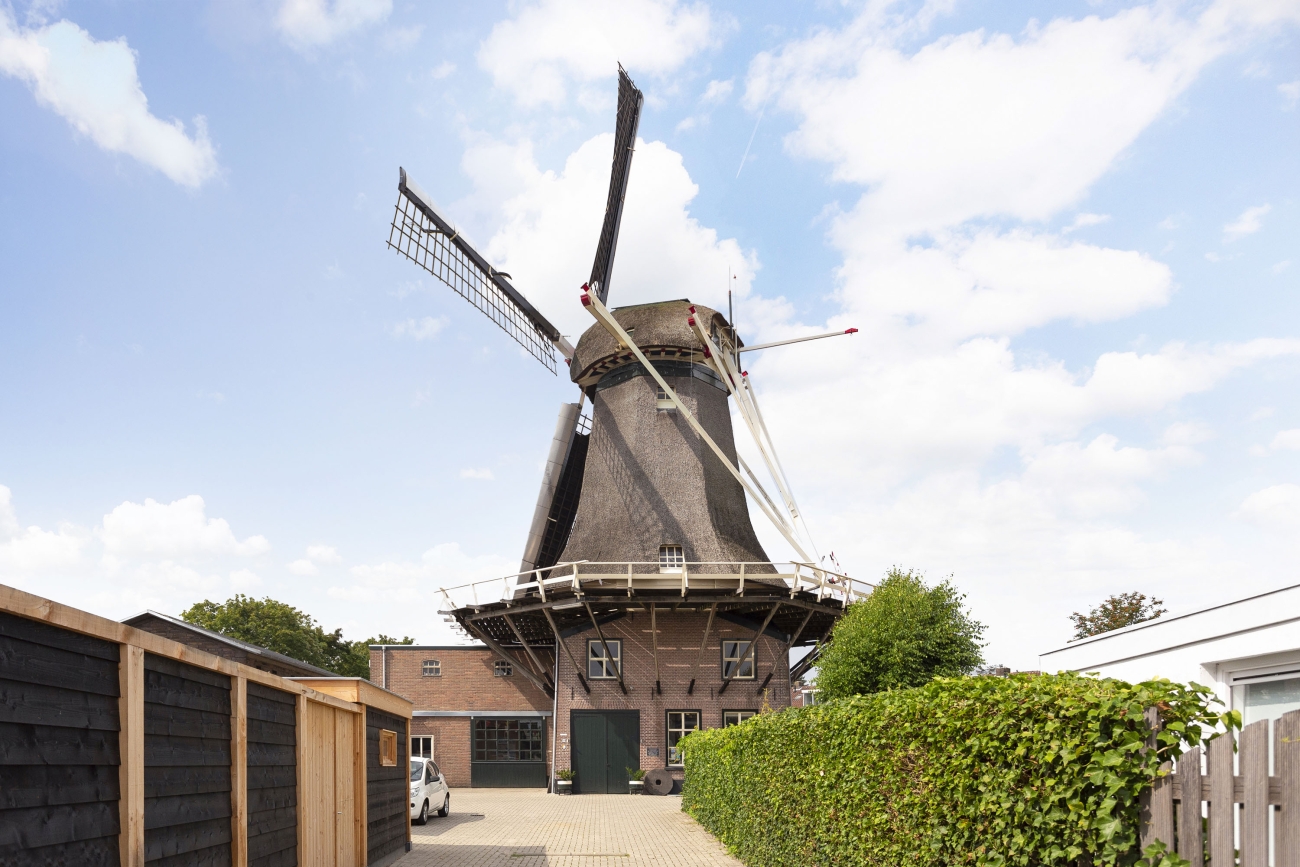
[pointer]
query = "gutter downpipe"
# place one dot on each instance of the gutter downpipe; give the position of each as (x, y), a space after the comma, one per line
(555, 711)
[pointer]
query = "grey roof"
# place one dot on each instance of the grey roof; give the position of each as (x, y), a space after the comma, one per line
(475, 646)
(252, 649)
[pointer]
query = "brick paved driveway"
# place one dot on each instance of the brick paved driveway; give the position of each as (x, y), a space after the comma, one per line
(530, 828)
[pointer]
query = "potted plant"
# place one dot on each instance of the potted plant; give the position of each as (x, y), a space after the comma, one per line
(635, 780)
(564, 781)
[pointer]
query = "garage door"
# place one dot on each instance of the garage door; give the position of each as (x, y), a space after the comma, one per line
(605, 744)
(508, 753)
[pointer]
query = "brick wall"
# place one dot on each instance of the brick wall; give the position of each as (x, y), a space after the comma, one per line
(467, 684)
(679, 645)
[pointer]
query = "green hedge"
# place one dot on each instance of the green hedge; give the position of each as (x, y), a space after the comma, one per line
(1026, 770)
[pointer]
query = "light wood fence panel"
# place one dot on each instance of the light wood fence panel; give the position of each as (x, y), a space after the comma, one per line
(1237, 806)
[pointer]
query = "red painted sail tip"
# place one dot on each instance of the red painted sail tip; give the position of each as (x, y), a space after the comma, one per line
(851, 331)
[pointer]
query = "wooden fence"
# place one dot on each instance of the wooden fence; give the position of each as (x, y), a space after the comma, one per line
(120, 748)
(1215, 814)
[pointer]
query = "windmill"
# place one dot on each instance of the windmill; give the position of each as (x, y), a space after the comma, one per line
(645, 502)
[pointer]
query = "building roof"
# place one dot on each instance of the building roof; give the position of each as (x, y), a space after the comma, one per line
(252, 649)
(475, 646)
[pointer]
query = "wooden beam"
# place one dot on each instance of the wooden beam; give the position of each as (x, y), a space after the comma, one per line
(559, 639)
(618, 667)
(541, 670)
(654, 642)
(239, 772)
(751, 652)
(300, 763)
(762, 686)
(360, 810)
(504, 654)
(713, 609)
(130, 706)
(793, 638)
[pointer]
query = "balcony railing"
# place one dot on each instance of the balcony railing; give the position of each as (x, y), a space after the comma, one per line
(716, 576)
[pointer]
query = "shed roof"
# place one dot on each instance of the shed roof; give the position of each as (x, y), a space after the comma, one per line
(139, 621)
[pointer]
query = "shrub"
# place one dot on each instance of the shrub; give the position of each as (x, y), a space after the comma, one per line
(1026, 770)
(902, 635)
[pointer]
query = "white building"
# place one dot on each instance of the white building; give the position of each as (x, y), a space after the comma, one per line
(1247, 651)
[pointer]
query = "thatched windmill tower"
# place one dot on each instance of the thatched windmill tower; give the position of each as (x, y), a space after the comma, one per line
(645, 605)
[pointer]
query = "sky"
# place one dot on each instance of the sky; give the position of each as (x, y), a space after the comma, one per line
(1067, 233)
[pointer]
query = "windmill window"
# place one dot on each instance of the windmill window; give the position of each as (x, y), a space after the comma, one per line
(600, 666)
(501, 668)
(431, 668)
(735, 717)
(733, 652)
(663, 402)
(671, 558)
(680, 724)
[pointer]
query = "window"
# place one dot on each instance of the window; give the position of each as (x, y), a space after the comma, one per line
(680, 723)
(422, 747)
(671, 558)
(501, 668)
(387, 748)
(735, 717)
(431, 668)
(508, 740)
(600, 666)
(663, 401)
(732, 654)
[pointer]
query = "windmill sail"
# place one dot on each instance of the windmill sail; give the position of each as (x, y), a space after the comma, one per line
(625, 127)
(428, 239)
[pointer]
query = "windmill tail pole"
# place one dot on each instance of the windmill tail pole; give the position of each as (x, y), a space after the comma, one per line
(797, 340)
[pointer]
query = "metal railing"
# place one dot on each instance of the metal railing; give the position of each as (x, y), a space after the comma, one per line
(632, 576)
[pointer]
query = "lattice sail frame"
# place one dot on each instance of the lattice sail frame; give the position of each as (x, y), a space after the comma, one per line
(422, 235)
(626, 123)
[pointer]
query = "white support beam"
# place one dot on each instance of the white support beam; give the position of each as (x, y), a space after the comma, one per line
(605, 318)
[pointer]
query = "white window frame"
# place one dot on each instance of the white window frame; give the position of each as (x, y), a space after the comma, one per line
(742, 653)
(418, 746)
(501, 668)
(736, 717)
(431, 668)
(663, 403)
(596, 656)
(672, 558)
(681, 730)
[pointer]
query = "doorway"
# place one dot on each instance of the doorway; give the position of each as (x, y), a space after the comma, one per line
(605, 744)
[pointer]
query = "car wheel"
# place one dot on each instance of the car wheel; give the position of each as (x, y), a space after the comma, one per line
(424, 813)
(446, 806)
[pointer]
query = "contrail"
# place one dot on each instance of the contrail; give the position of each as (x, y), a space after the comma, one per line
(751, 138)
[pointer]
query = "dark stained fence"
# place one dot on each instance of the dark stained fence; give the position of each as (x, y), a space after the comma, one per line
(59, 751)
(387, 789)
(272, 778)
(187, 804)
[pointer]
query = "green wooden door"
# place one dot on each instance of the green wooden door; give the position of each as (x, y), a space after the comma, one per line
(605, 744)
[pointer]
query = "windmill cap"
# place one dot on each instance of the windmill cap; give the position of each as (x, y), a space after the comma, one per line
(655, 328)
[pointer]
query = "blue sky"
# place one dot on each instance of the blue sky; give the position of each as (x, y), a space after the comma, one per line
(1068, 233)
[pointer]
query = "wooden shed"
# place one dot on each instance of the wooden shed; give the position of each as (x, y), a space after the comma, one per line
(120, 747)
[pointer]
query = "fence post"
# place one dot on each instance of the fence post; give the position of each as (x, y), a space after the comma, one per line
(1157, 817)
(1190, 844)
(1287, 820)
(1222, 805)
(1254, 818)
(131, 755)
(239, 772)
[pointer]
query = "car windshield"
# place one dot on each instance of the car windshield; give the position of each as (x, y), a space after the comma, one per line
(417, 768)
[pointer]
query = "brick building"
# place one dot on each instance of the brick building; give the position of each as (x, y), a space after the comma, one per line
(464, 693)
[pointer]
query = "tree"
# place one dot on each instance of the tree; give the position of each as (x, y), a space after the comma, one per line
(904, 634)
(1116, 612)
(281, 627)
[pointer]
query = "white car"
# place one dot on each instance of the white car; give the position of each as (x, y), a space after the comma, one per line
(428, 790)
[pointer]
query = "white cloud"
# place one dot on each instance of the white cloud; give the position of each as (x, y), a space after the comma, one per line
(1083, 220)
(176, 530)
(1281, 266)
(304, 567)
(1287, 439)
(1250, 222)
(1290, 93)
(31, 550)
(550, 222)
(244, 580)
(483, 473)
(442, 70)
(95, 87)
(308, 24)
(425, 328)
(1275, 508)
(717, 92)
(548, 44)
(326, 554)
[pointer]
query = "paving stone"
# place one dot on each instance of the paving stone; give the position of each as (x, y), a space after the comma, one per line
(530, 828)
